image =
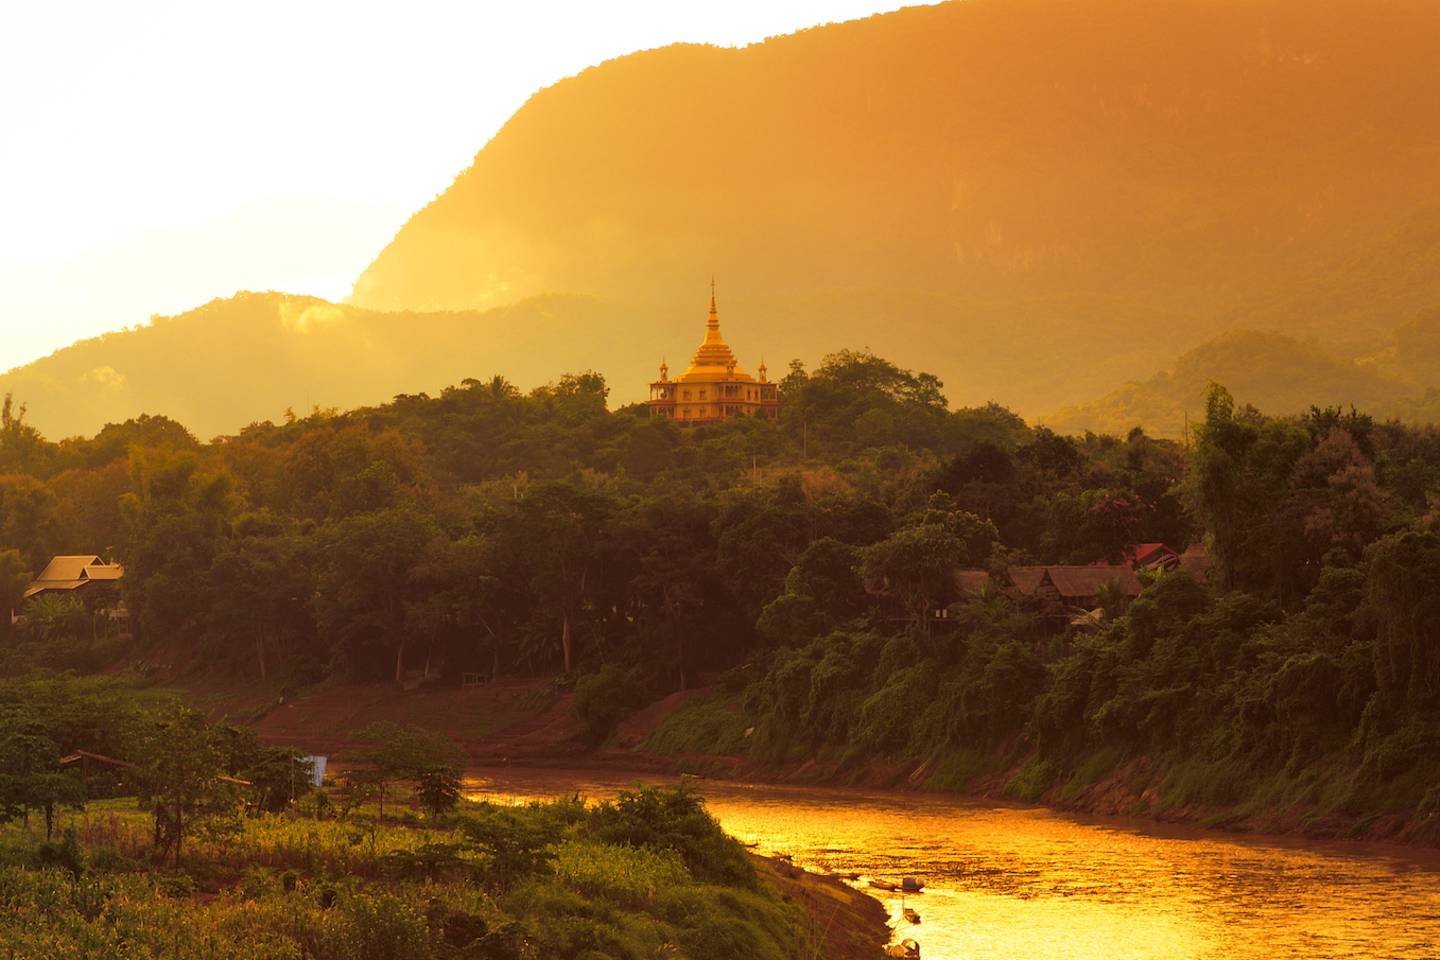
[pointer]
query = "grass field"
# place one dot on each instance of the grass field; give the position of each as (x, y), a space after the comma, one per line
(647, 876)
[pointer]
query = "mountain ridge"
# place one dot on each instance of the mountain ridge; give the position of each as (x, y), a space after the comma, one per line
(1009, 164)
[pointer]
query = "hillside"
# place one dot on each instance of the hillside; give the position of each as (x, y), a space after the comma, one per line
(250, 357)
(1390, 377)
(1036, 199)
(1275, 373)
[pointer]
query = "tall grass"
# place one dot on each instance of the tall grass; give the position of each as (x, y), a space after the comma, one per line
(295, 888)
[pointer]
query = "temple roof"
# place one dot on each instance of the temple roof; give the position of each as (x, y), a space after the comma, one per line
(713, 359)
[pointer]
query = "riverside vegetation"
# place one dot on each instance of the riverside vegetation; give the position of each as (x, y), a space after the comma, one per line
(485, 530)
(271, 868)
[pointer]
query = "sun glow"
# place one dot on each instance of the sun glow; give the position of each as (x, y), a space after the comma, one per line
(157, 154)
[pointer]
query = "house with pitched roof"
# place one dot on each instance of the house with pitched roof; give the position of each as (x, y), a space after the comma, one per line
(94, 581)
(1073, 586)
(1073, 591)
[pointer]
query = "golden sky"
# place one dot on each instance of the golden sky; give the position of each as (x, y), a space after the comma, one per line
(154, 155)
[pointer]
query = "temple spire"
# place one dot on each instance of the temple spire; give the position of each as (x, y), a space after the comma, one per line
(714, 321)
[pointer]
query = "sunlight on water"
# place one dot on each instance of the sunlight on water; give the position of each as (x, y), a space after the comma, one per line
(1007, 882)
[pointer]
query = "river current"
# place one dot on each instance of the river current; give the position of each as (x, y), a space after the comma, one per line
(1016, 883)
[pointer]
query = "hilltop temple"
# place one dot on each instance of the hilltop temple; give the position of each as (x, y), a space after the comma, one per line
(713, 387)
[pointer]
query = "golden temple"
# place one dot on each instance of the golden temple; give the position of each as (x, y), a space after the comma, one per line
(713, 388)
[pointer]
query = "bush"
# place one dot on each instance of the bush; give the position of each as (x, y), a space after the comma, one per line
(1034, 777)
(605, 698)
(702, 725)
(674, 820)
(379, 926)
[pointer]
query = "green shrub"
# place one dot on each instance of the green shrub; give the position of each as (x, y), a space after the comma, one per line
(702, 725)
(674, 820)
(1034, 777)
(605, 698)
(379, 926)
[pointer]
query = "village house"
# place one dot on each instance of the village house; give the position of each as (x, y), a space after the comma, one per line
(1074, 592)
(86, 576)
(1071, 590)
(1150, 556)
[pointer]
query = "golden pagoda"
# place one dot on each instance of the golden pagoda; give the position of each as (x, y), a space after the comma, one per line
(713, 387)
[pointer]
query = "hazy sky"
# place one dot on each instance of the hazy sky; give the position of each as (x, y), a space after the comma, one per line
(154, 155)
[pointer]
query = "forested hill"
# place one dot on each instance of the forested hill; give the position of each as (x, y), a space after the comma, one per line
(1390, 377)
(800, 564)
(251, 357)
(1036, 199)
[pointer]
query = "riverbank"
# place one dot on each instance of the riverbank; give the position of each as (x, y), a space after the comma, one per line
(528, 723)
(845, 924)
(1008, 879)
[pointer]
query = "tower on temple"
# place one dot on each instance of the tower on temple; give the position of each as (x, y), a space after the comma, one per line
(713, 387)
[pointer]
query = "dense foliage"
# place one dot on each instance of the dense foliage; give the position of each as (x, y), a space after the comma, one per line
(1306, 671)
(485, 531)
(188, 839)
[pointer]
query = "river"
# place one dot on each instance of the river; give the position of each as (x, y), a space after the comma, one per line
(1013, 883)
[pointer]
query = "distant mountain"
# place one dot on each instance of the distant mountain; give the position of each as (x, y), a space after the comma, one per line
(249, 357)
(1278, 375)
(1275, 373)
(1036, 199)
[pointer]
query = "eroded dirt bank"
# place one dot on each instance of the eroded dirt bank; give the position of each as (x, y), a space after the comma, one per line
(529, 724)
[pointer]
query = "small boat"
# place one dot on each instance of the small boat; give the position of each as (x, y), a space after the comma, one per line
(911, 914)
(906, 949)
(884, 885)
(912, 884)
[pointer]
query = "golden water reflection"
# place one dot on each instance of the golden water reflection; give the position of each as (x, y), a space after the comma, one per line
(1016, 882)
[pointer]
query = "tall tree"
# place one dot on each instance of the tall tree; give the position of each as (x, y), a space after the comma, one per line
(366, 578)
(557, 527)
(917, 563)
(181, 761)
(14, 580)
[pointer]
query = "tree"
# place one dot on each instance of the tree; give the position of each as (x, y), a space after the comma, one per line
(1243, 464)
(556, 529)
(277, 775)
(21, 446)
(457, 600)
(917, 563)
(56, 617)
(14, 581)
(822, 590)
(30, 518)
(262, 604)
(679, 601)
(181, 763)
(1403, 599)
(30, 777)
(430, 758)
(366, 578)
(176, 519)
(438, 789)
